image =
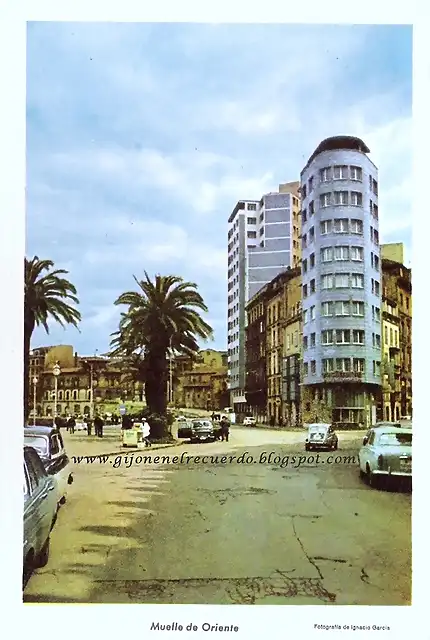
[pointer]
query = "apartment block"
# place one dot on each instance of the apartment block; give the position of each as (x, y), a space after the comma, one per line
(263, 241)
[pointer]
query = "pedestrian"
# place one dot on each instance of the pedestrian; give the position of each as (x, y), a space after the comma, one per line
(225, 428)
(145, 432)
(71, 424)
(98, 426)
(89, 424)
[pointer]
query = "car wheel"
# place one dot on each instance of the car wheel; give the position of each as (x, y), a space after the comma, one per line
(306, 447)
(372, 480)
(43, 557)
(27, 569)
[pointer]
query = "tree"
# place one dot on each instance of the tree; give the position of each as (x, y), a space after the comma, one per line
(47, 294)
(162, 317)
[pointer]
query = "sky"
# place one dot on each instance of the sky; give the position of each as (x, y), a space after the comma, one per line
(141, 138)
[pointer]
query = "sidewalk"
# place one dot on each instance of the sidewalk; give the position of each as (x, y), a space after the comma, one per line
(80, 444)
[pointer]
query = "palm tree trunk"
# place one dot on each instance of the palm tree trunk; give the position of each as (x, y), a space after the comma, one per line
(155, 393)
(28, 330)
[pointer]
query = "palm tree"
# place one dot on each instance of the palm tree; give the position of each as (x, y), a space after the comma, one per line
(163, 316)
(45, 295)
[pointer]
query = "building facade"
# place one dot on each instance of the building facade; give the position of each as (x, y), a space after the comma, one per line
(263, 240)
(255, 357)
(292, 349)
(341, 284)
(201, 382)
(397, 339)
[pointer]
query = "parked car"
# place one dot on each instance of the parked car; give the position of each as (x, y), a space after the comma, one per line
(40, 512)
(49, 444)
(249, 421)
(81, 426)
(386, 453)
(202, 431)
(321, 435)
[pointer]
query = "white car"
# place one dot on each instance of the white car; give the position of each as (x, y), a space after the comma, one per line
(81, 426)
(386, 453)
(49, 444)
(249, 421)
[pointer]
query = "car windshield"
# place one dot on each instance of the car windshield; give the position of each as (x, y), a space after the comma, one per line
(198, 426)
(39, 443)
(396, 439)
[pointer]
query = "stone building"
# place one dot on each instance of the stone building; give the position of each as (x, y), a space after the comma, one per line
(396, 341)
(201, 382)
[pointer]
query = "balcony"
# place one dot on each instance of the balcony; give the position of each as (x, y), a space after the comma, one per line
(343, 376)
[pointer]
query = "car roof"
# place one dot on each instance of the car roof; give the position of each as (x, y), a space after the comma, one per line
(39, 430)
(317, 425)
(391, 429)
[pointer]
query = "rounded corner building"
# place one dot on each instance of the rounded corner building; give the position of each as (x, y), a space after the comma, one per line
(341, 278)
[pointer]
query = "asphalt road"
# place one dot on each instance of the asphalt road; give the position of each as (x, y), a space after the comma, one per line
(216, 532)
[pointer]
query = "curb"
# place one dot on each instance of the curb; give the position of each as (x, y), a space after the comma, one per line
(133, 450)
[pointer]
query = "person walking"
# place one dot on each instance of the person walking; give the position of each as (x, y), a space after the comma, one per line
(98, 426)
(71, 424)
(225, 428)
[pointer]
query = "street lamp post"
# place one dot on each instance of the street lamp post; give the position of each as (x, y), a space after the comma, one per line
(91, 392)
(35, 381)
(56, 371)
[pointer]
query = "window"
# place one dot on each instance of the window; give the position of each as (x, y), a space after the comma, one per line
(376, 237)
(358, 336)
(341, 308)
(313, 367)
(327, 308)
(343, 364)
(305, 290)
(357, 281)
(325, 174)
(341, 280)
(252, 234)
(305, 316)
(341, 253)
(356, 226)
(375, 287)
(357, 254)
(305, 368)
(310, 184)
(376, 368)
(325, 227)
(252, 206)
(311, 235)
(304, 266)
(376, 313)
(340, 197)
(358, 365)
(304, 216)
(356, 199)
(340, 226)
(304, 241)
(311, 208)
(356, 173)
(325, 199)
(312, 286)
(312, 260)
(312, 312)
(327, 254)
(327, 282)
(327, 365)
(251, 220)
(313, 339)
(374, 211)
(376, 340)
(305, 342)
(261, 216)
(375, 187)
(304, 191)
(343, 336)
(327, 336)
(357, 308)
(340, 172)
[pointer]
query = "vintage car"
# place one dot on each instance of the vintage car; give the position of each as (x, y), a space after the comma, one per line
(249, 421)
(200, 430)
(40, 512)
(48, 443)
(386, 453)
(321, 435)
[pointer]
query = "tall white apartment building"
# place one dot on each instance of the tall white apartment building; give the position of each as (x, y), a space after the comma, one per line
(263, 240)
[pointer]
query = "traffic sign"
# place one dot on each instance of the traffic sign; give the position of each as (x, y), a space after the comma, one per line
(122, 409)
